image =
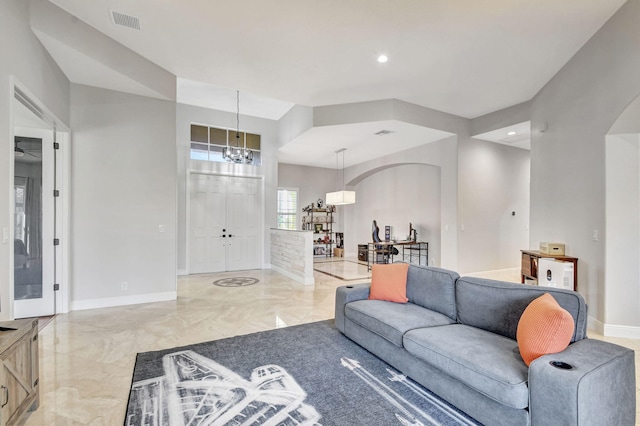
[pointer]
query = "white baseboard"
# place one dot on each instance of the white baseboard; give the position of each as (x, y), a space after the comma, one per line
(301, 280)
(107, 302)
(613, 330)
(624, 331)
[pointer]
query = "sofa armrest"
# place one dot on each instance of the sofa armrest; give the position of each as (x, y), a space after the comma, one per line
(599, 389)
(346, 294)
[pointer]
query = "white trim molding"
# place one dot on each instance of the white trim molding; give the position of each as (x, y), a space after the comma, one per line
(614, 330)
(108, 302)
(624, 331)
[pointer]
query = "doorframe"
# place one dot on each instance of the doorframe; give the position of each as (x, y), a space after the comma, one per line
(63, 134)
(188, 211)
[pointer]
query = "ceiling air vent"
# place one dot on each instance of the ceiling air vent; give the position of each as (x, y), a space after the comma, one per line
(125, 20)
(516, 138)
(383, 132)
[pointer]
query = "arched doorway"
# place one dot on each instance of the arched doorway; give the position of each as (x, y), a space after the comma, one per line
(622, 211)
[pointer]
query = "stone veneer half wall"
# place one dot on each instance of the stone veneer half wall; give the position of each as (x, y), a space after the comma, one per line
(292, 254)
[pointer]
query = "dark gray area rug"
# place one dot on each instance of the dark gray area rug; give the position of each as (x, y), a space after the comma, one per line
(303, 375)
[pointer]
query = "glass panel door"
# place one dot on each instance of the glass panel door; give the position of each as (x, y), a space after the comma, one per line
(28, 219)
(33, 223)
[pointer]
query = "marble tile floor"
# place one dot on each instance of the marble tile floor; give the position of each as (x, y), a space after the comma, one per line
(87, 357)
(343, 268)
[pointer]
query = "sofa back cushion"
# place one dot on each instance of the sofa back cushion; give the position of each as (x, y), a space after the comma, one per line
(497, 306)
(433, 288)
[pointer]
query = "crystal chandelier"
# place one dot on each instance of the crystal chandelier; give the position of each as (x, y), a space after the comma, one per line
(238, 153)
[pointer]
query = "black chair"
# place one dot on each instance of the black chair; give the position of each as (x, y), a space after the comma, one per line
(382, 253)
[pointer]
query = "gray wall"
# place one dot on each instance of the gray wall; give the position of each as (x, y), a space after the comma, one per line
(578, 107)
(395, 197)
(22, 57)
(623, 230)
(123, 168)
(268, 129)
(461, 163)
(312, 183)
(493, 182)
(443, 155)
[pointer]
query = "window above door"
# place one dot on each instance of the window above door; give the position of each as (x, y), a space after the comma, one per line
(208, 142)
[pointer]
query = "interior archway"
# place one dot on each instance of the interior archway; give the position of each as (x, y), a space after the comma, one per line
(622, 211)
(396, 195)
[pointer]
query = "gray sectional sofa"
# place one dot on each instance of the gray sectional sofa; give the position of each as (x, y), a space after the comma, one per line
(457, 337)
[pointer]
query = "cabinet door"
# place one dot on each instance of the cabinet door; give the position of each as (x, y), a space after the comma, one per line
(526, 264)
(4, 395)
(17, 391)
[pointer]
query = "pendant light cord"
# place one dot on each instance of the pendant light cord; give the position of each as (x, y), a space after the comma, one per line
(343, 167)
(337, 172)
(342, 150)
(237, 119)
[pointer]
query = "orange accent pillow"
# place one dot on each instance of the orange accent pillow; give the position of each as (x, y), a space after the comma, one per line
(389, 282)
(544, 328)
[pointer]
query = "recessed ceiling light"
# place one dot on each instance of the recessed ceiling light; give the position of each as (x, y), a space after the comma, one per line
(382, 58)
(511, 133)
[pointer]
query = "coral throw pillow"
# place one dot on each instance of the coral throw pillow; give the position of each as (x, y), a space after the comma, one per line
(389, 282)
(544, 328)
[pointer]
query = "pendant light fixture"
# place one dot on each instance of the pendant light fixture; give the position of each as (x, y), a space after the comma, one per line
(340, 198)
(239, 152)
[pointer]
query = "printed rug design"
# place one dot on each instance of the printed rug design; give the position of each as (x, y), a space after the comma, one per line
(303, 375)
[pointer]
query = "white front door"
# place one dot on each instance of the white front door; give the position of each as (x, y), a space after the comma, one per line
(244, 223)
(207, 220)
(225, 223)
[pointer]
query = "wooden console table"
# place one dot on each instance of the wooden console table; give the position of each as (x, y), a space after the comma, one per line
(529, 267)
(19, 370)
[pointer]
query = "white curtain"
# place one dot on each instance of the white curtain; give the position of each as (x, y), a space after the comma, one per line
(33, 217)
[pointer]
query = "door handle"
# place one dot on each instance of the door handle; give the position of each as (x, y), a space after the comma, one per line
(6, 395)
(224, 236)
(230, 235)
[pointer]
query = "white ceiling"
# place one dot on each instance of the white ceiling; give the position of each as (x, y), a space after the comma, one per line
(517, 135)
(83, 69)
(318, 145)
(224, 99)
(463, 57)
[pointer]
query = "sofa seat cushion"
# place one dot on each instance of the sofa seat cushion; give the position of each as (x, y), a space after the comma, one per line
(485, 361)
(391, 320)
